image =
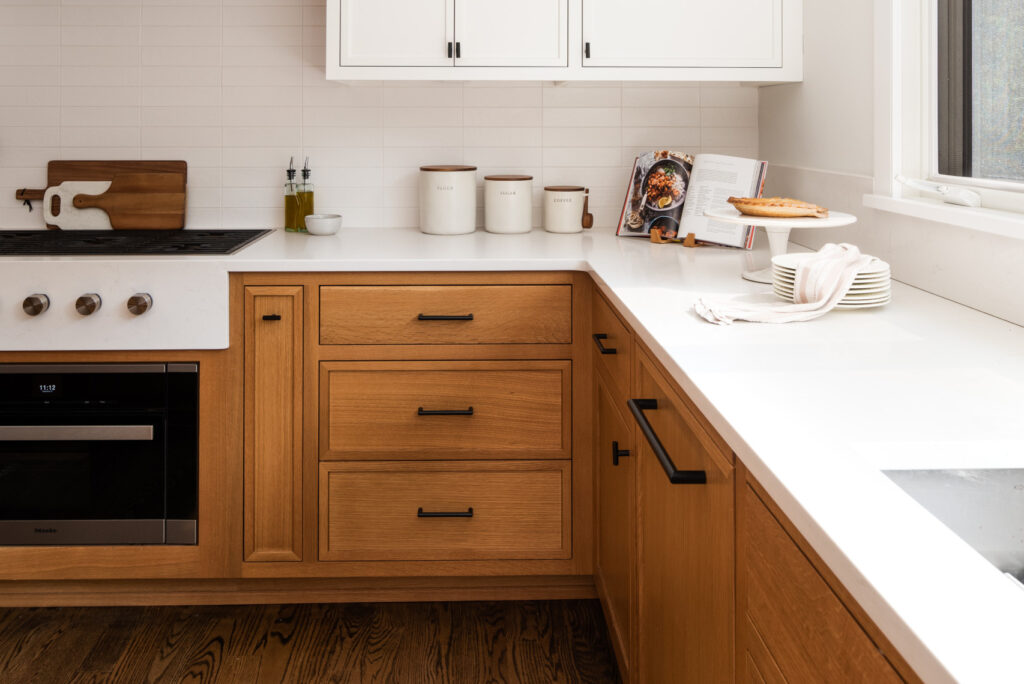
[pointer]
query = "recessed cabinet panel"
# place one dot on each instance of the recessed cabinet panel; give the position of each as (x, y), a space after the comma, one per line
(682, 33)
(375, 33)
(523, 33)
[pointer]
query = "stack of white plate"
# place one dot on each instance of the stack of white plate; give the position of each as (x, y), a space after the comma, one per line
(871, 287)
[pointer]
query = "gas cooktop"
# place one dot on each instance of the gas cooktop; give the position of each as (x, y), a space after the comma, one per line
(124, 242)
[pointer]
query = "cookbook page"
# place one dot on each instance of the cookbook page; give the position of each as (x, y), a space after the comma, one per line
(714, 180)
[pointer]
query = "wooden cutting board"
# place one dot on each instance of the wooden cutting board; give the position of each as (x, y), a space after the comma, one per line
(143, 201)
(59, 171)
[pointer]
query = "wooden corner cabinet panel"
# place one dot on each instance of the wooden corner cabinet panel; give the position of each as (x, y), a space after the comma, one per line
(793, 622)
(615, 522)
(445, 410)
(685, 544)
(445, 314)
(430, 511)
(613, 346)
(273, 423)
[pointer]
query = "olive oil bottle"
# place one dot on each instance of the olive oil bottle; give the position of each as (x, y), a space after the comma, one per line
(291, 201)
(304, 193)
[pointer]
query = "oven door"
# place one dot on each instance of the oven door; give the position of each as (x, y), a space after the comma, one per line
(74, 482)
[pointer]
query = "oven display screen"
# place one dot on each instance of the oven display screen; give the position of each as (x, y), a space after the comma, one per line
(46, 387)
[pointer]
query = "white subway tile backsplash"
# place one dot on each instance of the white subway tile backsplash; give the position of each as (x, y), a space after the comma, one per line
(237, 87)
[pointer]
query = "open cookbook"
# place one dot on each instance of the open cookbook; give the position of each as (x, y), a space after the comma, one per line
(670, 192)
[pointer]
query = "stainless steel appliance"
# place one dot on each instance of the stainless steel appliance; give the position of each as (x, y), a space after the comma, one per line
(98, 453)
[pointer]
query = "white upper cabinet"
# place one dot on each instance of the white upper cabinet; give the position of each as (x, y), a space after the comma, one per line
(506, 33)
(415, 33)
(565, 40)
(682, 33)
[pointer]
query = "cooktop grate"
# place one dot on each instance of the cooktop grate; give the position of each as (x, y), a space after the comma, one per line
(124, 242)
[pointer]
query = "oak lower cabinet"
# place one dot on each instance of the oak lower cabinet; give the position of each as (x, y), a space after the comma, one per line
(273, 423)
(685, 539)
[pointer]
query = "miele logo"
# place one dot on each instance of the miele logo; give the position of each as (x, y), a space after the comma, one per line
(444, 188)
(46, 530)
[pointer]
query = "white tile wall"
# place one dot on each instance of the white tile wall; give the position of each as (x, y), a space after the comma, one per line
(236, 87)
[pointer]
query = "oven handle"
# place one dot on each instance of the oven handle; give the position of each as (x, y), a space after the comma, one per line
(76, 433)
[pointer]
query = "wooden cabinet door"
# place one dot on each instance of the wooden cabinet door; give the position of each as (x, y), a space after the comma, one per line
(273, 423)
(685, 554)
(616, 521)
(523, 33)
(682, 33)
(400, 33)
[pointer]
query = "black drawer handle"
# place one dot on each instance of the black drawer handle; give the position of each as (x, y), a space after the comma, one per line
(675, 476)
(603, 349)
(272, 317)
(618, 453)
(427, 317)
(444, 412)
(443, 514)
(449, 49)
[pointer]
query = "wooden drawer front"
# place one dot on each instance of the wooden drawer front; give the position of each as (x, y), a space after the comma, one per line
(612, 336)
(502, 314)
(383, 511)
(810, 634)
(372, 410)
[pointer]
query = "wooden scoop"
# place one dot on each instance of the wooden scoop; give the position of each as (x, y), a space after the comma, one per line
(154, 201)
(588, 218)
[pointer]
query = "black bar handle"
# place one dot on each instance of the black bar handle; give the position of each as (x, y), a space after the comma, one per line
(675, 476)
(603, 349)
(618, 453)
(586, 50)
(428, 317)
(442, 514)
(272, 317)
(449, 49)
(445, 412)
(458, 50)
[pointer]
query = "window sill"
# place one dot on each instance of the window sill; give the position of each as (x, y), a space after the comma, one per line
(1005, 223)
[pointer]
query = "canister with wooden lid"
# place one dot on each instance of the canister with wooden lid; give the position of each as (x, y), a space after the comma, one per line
(565, 209)
(447, 199)
(508, 203)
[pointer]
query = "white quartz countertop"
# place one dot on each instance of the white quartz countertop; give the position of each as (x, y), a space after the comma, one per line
(815, 410)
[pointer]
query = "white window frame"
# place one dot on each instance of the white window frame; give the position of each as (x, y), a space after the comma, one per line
(906, 127)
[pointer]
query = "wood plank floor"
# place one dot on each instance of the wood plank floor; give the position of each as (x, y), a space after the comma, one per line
(451, 643)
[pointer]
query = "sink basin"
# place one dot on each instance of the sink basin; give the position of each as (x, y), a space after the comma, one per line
(985, 508)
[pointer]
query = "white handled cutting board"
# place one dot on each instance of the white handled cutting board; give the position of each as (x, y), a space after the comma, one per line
(70, 217)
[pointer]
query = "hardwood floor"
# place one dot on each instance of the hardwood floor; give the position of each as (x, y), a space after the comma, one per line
(453, 643)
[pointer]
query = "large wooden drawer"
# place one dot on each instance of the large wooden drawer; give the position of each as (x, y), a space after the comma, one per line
(445, 511)
(446, 314)
(444, 410)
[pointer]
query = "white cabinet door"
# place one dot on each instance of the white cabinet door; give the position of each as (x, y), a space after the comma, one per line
(513, 33)
(682, 33)
(397, 33)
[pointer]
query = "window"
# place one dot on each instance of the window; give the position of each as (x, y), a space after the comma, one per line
(980, 89)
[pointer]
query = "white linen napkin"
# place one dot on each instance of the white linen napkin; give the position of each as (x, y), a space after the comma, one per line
(821, 282)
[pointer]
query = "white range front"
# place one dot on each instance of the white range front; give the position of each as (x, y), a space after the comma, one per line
(189, 304)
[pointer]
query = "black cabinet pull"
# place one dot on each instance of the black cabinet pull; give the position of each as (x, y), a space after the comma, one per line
(449, 49)
(603, 349)
(442, 514)
(675, 476)
(427, 317)
(272, 317)
(445, 412)
(458, 50)
(618, 453)
(586, 50)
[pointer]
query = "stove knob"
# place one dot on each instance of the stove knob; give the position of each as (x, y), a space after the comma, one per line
(88, 304)
(35, 304)
(139, 303)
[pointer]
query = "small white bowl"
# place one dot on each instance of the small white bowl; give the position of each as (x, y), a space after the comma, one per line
(323, 224)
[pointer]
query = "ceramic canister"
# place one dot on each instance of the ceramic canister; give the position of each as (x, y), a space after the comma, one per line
(447, 199)
(563, 208)
(508, 204)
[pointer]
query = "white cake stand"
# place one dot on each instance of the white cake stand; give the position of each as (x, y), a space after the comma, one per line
(778, 232)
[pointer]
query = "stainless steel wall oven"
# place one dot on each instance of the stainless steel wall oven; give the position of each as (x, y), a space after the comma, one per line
(99, 453)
